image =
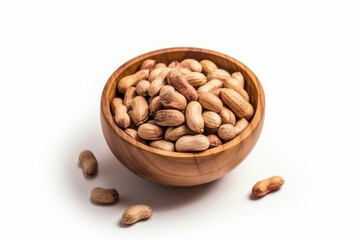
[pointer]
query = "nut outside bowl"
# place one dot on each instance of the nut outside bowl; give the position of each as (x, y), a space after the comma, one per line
(178, 168)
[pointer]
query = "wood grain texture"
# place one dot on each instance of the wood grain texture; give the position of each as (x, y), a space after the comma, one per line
(176, 168)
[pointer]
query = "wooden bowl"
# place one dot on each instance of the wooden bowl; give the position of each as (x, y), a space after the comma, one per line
(178, 168)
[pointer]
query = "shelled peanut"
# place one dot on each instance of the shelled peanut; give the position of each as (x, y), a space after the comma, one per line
(184, 106)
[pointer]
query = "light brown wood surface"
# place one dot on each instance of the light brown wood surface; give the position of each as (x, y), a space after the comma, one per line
(175, 168)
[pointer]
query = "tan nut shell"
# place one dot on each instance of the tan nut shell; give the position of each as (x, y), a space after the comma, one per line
(210, 85)
(208, 66)
(148, 64)
(239, 77)
(88, 162)
(132, 80)
(140, 110)
(194, 143)
(104, 196)
(174, 133)
(136, 213)
(150, 131)
(158, 82)
(170, 98)
(196, 79)
(169, 118)
(142, 88)
(192, 64)
(210, 102)
(220, 74)
(237, 86)
(155, 105)
(265, 186)
(237, 103)
(227, 116)
(129, 95)
(134, 134)
(211, 119)
(193, 116)
(163, 144)
(226, 132)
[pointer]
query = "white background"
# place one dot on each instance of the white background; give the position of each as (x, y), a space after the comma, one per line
(56, 57)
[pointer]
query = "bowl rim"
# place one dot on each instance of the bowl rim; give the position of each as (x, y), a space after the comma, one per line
(255, 121)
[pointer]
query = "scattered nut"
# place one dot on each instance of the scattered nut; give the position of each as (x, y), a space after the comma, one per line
(88, 162)
(104, 196)
(136, 213)
(265, 186)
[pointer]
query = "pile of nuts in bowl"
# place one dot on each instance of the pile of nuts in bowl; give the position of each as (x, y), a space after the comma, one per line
(186, 106)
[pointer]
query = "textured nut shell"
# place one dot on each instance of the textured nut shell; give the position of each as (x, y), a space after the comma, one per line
(104, 196)
(210, 101)
(163, 144)
(140, 110)
(148, 64)
(194, 143)
(114, 103)
(160, 65)
(179, 82)
(134, 134)
(241, 125)
(132, 80)
(169, 118)
(227, 116)
(129, 95)
(136, 213)
(196, 79)
(211, 119)
(174, 133)
(155, 105)
(237, 86)
(193, 116)
(265, 186)
(238, 76)
(192, 64)
(142, 88)
(208, 66)
(158, 82)
(88, 162)
(237, 103)
(210, 85)
(150, 131)
(154, 73)
(227, 132)
(170, 98)
(122, 118)
(220, 74)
